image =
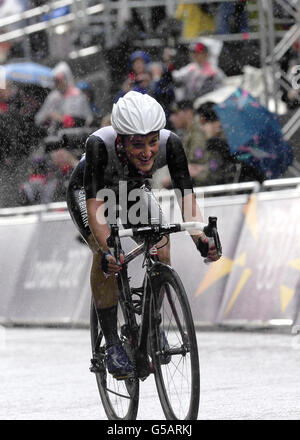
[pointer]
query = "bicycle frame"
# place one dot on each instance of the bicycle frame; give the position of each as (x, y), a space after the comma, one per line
(156, 324)
(152, 234)
(149, 262)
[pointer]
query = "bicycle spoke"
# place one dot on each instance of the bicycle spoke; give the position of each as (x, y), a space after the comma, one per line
(117, 394)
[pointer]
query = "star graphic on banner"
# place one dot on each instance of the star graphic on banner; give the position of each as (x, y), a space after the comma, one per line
(224, 266)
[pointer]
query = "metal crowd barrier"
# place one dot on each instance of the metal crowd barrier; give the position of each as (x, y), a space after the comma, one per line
(206, 191)
(45, 267)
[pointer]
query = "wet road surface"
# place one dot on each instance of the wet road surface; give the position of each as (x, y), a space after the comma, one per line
(44, 375)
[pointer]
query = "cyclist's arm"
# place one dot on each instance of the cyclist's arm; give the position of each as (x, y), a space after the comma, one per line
(97, 222)
(181, 179)
(96, 162)
(178, 167)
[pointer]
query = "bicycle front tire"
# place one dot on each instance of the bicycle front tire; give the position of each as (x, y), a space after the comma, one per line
(174, 346)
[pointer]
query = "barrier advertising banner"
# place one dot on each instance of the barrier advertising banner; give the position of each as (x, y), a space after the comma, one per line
(205, 284)
(52, 279)
(264, 285)
(15, 239)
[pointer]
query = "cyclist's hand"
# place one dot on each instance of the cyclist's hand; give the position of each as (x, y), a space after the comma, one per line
(207, 248)
(109, 264)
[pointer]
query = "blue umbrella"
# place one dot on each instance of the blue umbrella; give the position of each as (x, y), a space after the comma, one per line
(254, 134)
(29, 73)
(59, 12)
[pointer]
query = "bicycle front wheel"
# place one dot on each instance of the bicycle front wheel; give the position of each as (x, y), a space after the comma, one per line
(174, 347)
(120, 398)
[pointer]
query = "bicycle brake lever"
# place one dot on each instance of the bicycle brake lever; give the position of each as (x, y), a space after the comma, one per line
(211, 231)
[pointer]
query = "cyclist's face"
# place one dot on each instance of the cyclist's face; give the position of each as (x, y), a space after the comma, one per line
(141, 150)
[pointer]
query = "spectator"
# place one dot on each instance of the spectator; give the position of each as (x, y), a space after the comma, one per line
(195, 20)
(66, 106)
(6, 98)
(38, 188)
(89, 92)
(39, 42)
(48, 176)
(7, 9)
(7, 129)
(186, 124)
(105, 121)
(64, 163)
(222, 166)
(227, 168)
(138, 69)
(163, 89)
(123, 45)
(206, 149)
(199, 76)
(11, 7)
(232, 17)
(138, 62)
(142, 83)
(289, 77)
(19, 134)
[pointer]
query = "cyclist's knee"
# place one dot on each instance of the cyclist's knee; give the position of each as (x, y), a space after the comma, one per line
(164, 253)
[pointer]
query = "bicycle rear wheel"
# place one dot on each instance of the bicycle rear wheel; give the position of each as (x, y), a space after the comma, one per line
(174, 347)
(120, 398)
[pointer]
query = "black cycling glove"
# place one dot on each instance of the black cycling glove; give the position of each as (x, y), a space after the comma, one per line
(203, 248)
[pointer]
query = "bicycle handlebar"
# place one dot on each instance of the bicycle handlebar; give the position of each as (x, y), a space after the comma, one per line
(161, 229)
(210, 230)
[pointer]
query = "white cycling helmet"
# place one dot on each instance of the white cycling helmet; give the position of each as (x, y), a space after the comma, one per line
(137, 113)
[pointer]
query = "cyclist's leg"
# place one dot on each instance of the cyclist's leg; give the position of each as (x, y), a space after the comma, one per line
(105, 296)
(104, 290)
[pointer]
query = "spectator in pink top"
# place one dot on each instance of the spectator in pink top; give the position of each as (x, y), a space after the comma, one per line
(200, 76)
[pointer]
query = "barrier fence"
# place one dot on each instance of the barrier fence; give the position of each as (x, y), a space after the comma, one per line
(45, 267)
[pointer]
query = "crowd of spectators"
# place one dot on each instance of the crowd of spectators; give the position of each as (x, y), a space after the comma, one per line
(40, 116)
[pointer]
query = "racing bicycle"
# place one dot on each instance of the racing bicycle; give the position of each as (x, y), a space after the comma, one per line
(156, 329)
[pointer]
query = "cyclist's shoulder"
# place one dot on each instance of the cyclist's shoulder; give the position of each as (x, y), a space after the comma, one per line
(168, 136)
(104, 135)
(173, 142)
(100, 142)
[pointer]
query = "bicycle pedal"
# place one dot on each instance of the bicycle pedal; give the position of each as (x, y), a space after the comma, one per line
(124, 376)
(96, 366)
